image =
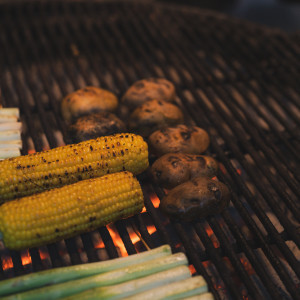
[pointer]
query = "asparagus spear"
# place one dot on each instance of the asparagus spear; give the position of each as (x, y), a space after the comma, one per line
(132, 287)
(176, 290)
(114, 277)
(63, 274)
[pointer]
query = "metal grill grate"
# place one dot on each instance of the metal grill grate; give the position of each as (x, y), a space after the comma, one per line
(237, 80)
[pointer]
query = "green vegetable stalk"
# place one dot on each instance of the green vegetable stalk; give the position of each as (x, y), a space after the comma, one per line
(63, 274)
(110, 278)
(132, 287)
(176, 290)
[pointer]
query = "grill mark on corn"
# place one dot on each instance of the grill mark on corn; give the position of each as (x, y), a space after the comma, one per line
(32, 169)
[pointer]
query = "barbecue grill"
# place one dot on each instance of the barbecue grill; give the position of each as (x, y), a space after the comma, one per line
(237, 80)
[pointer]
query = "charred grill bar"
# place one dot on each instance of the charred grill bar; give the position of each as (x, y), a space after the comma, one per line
(237, 80)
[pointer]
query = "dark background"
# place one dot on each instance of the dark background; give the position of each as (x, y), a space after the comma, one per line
(284, 14)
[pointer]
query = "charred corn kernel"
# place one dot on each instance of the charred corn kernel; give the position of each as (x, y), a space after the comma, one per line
(70, 210)
(33, 173)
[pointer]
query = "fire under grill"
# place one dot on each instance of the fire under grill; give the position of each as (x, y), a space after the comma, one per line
(237, 80)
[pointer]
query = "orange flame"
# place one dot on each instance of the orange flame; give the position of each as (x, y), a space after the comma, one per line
(7, 263)
(26, 258)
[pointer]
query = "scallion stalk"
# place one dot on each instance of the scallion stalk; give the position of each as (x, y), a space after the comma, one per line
(132, 287)
(176, 290)
(63, 274)
(110, 278)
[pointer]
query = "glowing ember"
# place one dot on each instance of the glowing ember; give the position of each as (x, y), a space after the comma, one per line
(26, 258)
(155, 200)
(192, 269)
(7, 263)
(44, 255)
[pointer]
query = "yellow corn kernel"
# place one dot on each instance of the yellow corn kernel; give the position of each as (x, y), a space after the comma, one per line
(70, 210)
(33, 173)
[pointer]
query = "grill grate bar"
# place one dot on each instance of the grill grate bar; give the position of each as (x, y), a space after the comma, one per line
(117, 44)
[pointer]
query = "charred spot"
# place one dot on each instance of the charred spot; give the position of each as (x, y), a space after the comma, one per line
(160, 102)
(195, 183)
(139, 85)
(16, 189)
(50, 175)
(56, 230)
(148, 110)
(79, 177)
(194, 201)
(46, 177)
(92, 219)
(81, 158)
(114, 154)
(158, 173)
(28, 166)
(49, 162)
(78, 169)
(38, 235)
(201, 161)
(107, 171)
(186, 135)
(174, 163)
(57, 160)
(107, 147)
(47, 185)
(60, 180)
(91, 148)
(66, 173)
(171, 208)
(19, 167)
(122, 152)
(123, 168)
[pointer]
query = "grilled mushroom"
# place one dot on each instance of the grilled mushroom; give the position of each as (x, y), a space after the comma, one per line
(195, 199)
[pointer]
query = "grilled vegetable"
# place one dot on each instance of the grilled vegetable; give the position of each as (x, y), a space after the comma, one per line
(173, 169)
(205, 296)
(114, 277)
(87, 100)
(180, 138)
(175, 290)
(65, 212)
(9, 152)
(153, 115)
(196, 199)
(149, 89)
(95, 125)
(63, 274)
(26, 175)
(132, 287)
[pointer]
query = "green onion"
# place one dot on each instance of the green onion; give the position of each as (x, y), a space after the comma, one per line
(132, 287)
(63, 274)
(114, 277)
(9, 111)
(176, 290)
(205, 296)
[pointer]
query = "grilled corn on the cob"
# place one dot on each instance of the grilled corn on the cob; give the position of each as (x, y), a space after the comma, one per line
(70, 210)
(29, 174)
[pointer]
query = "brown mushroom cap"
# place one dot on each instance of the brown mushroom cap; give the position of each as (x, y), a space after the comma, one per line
(87, 100)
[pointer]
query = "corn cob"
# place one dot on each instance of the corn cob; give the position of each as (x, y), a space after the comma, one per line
(70, 210)
(33, 173)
